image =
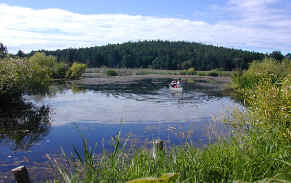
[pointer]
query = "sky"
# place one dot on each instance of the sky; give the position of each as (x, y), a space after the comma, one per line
(256, 25)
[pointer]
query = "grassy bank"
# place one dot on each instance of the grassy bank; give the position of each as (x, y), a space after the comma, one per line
(258, 151)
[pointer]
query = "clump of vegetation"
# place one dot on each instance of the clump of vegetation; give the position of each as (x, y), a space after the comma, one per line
(111, 73)
(143, 72)
(19, 76)
(46, 62)
(32, 75)
(258, 70)
(213, 73)
(76, 70)
(190, 71)
(58, 70)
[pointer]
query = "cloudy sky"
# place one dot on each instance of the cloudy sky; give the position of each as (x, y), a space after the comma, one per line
(259, 25)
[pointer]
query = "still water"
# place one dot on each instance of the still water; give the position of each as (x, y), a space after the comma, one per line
(140, 111)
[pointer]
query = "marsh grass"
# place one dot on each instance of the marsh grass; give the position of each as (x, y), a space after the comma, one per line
(215, 73)
(146, 71)
(256, 156)
(260, 158)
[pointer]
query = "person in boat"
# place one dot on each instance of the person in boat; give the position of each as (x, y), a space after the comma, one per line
(174, 84)
(179, 83)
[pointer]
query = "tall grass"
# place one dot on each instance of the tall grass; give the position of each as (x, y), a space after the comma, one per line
(256, 158)
(267, 68)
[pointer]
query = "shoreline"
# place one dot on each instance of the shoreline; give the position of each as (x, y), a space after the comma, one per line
(129, 79)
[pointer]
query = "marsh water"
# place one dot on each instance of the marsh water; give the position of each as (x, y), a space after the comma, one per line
(141, 111)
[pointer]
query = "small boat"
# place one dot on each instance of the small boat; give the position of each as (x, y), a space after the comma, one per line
(179, 89)
(176, 86)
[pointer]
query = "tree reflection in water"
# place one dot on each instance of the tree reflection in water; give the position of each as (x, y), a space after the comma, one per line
(23, 124)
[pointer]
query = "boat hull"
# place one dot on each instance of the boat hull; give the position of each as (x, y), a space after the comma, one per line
(176, 89)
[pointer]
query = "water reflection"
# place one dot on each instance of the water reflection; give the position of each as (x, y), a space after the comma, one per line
(23, 124)
(144, 110)
(148, 101)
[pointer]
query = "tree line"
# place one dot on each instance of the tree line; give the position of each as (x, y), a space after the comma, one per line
(159, 55)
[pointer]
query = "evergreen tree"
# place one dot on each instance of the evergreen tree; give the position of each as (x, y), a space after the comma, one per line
(3, 51)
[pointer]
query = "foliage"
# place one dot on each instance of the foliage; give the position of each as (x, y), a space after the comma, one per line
(213, 73)
(270, 105)
(111, 73)
(20, 54)
(19, 76)
(59, 70)
(3, 51)
(255, 158)
(259, 70)
(277, 55)
(190, 71)
(165, 178)
(76, 70)
(159, 55)
(46, 62)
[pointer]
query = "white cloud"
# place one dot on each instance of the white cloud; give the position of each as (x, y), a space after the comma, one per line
(27, 29)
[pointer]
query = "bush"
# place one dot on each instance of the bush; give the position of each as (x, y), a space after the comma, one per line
(190, 71)
(55, 69)
(60, 70)
(19, 76)
(111, 73)
(258, 70)
(270, 104)
(46, 62)
(213, 73)
(76, 70)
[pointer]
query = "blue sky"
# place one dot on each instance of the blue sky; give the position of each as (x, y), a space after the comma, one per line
(259, 25)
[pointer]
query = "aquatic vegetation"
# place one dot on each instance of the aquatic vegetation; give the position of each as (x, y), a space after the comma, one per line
(111, 73)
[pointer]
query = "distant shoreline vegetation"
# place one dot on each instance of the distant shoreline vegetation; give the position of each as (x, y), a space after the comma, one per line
(170, 55)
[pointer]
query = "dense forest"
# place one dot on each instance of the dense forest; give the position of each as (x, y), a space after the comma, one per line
(159, 55)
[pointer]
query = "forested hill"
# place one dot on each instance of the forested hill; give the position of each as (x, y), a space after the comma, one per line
(159, 55)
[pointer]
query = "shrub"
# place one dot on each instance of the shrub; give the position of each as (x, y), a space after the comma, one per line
(258, 70)
(191, 71)
(111, 73)
(183, 73)
(19, 76)
(270, 105)
(76, 70)
(46, 62)
(213, 73)
(59, 70)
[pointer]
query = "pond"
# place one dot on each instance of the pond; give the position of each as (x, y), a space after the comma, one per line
(141, 111)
